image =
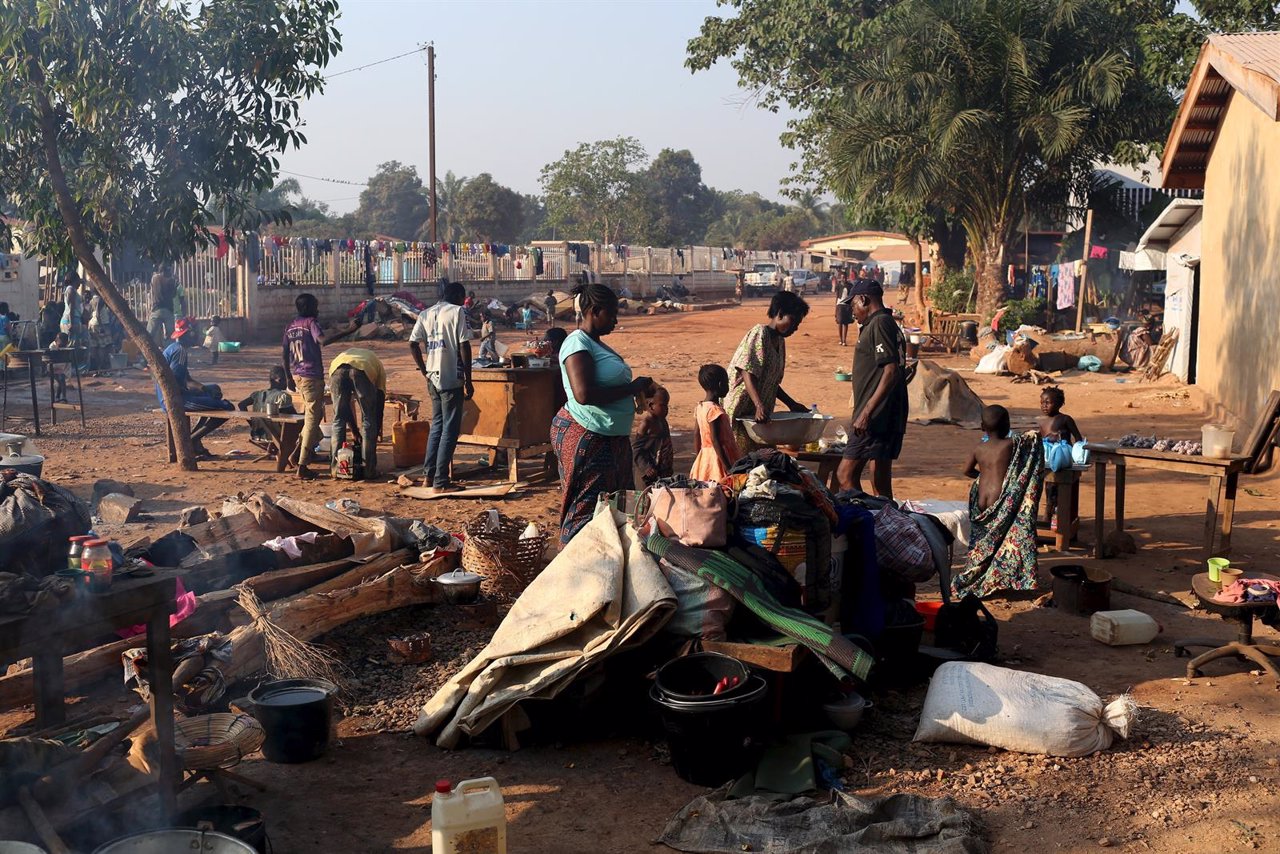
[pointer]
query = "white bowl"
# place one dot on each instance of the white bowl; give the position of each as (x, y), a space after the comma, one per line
(846, 712)
(787, 428)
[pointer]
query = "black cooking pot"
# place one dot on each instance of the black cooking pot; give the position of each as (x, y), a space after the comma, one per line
(13, 458)
(296, 715)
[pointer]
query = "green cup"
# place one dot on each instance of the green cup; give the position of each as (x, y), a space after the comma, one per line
(1216, 565)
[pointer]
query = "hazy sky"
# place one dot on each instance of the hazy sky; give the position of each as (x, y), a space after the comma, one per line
(520, 81)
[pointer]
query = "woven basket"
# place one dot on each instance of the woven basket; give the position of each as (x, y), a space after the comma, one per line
(214, 741)
(507, 562)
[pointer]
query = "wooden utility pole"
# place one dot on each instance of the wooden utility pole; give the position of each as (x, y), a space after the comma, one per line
(1084, 269)
(431, 111)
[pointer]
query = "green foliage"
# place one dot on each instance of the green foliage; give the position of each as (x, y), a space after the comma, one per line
(535, 225)
(589, 192)
(676, 207)
(447, 190)
(394, 203)
(1029, 311)
(166, 117)
(952, 292)
(487, 211)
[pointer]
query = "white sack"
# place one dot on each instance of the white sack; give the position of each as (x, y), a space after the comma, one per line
(975, 703)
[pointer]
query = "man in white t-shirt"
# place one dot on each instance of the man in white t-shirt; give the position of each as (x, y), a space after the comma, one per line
(442, 332)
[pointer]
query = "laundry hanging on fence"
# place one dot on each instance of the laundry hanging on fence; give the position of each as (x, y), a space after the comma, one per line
(1066, 286)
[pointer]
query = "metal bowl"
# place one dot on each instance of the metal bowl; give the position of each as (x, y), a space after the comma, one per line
(460, 587)
(787, 428)
(846, 712)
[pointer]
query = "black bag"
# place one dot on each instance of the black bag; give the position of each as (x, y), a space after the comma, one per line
(968, 628)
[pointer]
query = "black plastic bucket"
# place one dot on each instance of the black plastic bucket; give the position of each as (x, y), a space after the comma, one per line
(296, 715)
(713, 741)
(244, 823)
(694, 677)
(1078, 590)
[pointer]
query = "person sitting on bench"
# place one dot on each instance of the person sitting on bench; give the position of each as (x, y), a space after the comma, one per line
(196, 397)
(277, 394)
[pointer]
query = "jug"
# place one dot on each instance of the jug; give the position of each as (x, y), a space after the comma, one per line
(470, 818)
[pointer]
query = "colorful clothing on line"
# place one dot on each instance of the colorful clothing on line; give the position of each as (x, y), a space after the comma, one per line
(1002, 550)
(763, 354)
(591, 465)
(837, 653)
(1066, 286)
(713, 421)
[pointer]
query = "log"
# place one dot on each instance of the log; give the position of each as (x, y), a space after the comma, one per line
(286, 582)
(1121, 586)
(361, 573)
(309, 615)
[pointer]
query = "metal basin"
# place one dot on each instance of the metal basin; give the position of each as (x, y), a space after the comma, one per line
(787, 428)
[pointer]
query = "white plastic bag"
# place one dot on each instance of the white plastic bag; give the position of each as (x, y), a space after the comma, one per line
(974, 703)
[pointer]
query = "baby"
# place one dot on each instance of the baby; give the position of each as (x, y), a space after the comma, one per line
(651, 441)
(1055, 423)
(213, 337)
(989, 461)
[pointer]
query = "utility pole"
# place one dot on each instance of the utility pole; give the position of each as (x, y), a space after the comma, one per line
(431, 111)
(1084, 270)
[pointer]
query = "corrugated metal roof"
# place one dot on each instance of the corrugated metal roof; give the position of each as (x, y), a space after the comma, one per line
(1247, 64)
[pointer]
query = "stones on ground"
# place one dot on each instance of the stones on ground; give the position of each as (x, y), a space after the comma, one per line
(193, 516)
(117, 508)
(107, 486)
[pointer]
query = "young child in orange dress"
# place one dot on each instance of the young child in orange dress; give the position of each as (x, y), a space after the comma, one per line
(717, 448)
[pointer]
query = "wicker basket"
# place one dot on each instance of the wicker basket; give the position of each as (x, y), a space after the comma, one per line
(214, 741)
(507, 562)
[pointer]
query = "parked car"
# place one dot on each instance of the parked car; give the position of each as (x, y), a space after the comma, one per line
(802, 281)
(764, 276)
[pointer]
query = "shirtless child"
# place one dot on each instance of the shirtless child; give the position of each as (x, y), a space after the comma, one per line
(989, 461)
(1054, 423)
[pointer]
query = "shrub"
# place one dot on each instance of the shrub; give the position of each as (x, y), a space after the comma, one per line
(950, 292)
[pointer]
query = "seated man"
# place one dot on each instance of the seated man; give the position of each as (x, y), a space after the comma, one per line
(1002, 509)
(196, 397)
(277, 393)
(358, 372)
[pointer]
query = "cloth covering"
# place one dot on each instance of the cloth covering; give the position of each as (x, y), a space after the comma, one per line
(897, 824)
(601, 594)
(36, 517)
(941, 396)
(1002, 555)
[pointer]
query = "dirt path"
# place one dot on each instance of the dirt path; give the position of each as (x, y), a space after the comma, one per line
(1200, 774)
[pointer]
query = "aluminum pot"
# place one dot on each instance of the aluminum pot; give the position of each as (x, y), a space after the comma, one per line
(13, 458)
(460, 587)
(169, 841)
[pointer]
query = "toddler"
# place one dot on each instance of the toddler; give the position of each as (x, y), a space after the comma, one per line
(212, 338)
(654, 458)
(1054, 423)
(61, 341)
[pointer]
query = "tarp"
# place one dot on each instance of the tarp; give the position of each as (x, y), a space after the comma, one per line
(601, 594)
(940, 395)
(896, 824)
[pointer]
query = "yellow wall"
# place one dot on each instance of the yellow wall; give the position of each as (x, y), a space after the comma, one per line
(1238, 359)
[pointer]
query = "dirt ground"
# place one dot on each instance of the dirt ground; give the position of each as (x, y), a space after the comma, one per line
(1199, 774)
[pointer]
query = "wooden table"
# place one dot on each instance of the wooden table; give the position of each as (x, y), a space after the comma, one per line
(1067, 507)
(511, 411)
(81, 623)
(284, 429)
(828, 462)
(1220, 472)
(1242, 615)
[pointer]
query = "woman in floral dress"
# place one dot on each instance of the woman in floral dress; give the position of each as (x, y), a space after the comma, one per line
(755, 372)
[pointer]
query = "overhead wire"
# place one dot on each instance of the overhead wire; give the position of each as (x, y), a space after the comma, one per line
(419, 49)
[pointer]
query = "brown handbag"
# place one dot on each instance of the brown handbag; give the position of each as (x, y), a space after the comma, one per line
(691, 511)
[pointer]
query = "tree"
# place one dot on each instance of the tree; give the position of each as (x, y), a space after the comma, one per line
(591, 188)
(535, 225)
(394, 202)
(487, 211)
(447, 190)
(677, 206)
(140, 122)
(972, 106)
(286, 202)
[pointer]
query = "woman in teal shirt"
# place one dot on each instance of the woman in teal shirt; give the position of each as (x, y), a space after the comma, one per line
(592, 432)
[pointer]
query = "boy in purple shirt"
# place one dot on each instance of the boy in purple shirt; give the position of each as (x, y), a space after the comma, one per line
(304, 365)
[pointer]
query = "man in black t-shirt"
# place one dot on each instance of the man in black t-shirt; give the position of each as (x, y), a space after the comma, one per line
(879, 392)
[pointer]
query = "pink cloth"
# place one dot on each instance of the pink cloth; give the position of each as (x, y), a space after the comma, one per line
(1234, 593)
(187, 605)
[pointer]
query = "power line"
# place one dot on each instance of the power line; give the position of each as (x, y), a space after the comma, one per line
(379, 62)
(326, 180)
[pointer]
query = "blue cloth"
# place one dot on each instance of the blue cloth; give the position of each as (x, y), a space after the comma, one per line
(446, 423)
(192, 401)
(612, 419)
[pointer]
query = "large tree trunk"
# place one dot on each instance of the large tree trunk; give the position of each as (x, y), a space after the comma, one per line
(988, 261)
(918, 292)
(169, 390)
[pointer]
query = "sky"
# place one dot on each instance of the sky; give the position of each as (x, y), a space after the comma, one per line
(518, 82)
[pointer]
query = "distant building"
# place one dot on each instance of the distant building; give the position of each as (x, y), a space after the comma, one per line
(1226, 141)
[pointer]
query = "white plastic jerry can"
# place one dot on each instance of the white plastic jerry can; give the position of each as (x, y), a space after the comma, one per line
(1118, 628)
(468, 819)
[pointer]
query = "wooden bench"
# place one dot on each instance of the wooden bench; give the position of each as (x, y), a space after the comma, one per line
(285, 430)
(946, 329)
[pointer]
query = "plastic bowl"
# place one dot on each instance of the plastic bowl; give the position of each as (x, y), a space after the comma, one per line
(228, 346)
(928, 610)
(787, 428)
(842, 377)
(846, 712)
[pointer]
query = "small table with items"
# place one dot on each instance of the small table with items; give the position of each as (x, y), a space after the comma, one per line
(828, 463)
(46, 634)
(1219, 470)
(1240, 613)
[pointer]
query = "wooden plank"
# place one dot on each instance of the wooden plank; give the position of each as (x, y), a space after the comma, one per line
(779, 659)
(488, 441)
(423, 493)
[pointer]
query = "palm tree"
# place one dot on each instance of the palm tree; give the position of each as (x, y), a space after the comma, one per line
(447, 190)
(811, 205)
(972, 106)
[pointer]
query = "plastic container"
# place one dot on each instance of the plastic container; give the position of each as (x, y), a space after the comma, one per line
(1120, 628)
(1216, 440)
(469, 818)
(714, 741)
(693, 678)
(228, 346)
(345, 463)
(96, 560)
(297, 717)
(409, 442)
(928, 610)
(1216, 565)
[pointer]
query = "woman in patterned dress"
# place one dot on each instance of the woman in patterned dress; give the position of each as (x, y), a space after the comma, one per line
(755, 372)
